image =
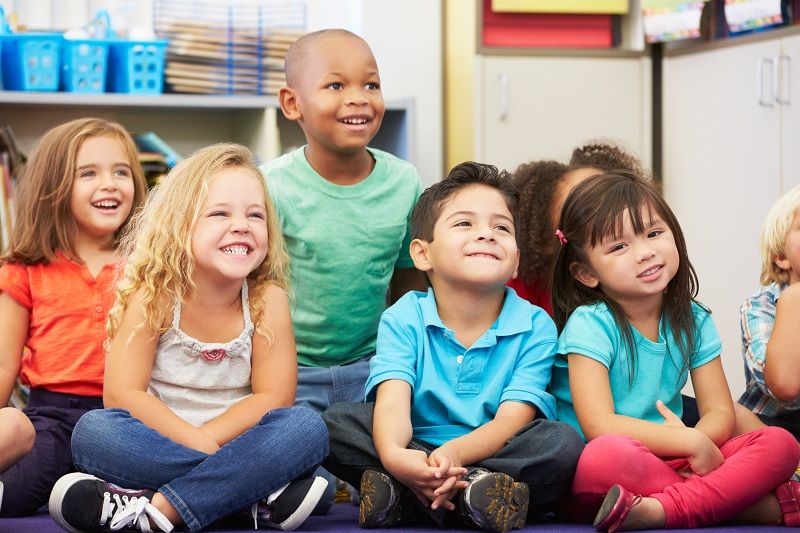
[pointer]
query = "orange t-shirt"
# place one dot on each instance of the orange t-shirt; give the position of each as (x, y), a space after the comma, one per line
(66, 324)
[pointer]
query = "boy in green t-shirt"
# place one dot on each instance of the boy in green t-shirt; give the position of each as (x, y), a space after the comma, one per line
(345, 212)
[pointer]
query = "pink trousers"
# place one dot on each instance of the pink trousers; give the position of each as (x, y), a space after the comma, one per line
(755, 463)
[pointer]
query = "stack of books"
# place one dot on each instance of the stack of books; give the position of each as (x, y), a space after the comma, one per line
(224, 48)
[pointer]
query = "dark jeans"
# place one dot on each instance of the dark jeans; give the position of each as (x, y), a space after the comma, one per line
(789, 421)
(543, 454)
(27, 484)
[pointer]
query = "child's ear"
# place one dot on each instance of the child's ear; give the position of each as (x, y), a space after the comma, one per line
(584, 274)
(782, 262)
(516, 267)
(419, 254)
(290, 105)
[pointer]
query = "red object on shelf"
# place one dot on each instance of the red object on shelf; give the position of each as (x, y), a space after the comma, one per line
(545, 30)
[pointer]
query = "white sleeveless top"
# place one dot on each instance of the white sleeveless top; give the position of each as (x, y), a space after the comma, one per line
(201, 380)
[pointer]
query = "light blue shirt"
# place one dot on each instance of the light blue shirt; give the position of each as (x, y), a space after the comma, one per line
(454, 390)
(659, 369)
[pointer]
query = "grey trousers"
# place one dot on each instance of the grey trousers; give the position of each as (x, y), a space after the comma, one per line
(543, 454)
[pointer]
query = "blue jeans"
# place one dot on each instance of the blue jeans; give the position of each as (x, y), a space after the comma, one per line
(318, 388)
(116, 447)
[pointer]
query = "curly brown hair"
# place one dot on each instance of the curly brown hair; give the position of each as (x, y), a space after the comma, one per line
(537, 183)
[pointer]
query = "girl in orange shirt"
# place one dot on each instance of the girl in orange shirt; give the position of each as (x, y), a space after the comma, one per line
(75, 196)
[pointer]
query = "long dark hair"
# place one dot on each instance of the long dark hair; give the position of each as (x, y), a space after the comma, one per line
(594, 210)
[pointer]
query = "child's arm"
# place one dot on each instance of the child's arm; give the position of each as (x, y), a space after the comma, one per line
(594, 407)
(392, 432)
(13, 334)
(717, 418)
(404, 280)
(273, 376)
(486, 440)
(127, 377)
(782, 361)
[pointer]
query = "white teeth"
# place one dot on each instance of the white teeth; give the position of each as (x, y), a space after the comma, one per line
(108, 204)
(236, 250)
(650, 271)
(355, 121)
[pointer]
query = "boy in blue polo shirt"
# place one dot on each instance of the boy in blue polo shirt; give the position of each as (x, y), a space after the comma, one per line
(462, 430)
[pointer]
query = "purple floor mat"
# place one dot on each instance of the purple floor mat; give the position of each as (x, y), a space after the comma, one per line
(344, 518)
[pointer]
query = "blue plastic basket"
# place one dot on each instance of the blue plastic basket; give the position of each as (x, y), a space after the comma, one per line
(29, 61)
(84, 63)
(136, 66)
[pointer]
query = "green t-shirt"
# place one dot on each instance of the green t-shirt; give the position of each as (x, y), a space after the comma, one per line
(344, 243)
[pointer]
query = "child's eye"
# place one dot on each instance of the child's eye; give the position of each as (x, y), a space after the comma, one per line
(503, 227)
(257, 215)
(217, 214)
(463, 223)
(373, 86)
(86, 174)
(617, 247)
(655, 233)
(123, 172)
(336, 86)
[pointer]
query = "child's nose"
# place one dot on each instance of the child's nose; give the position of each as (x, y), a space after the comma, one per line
(355, 96)
(107, 181)
(240, 225)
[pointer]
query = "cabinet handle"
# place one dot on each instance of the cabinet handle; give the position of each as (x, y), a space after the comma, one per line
(783, 73)
(760, 81)
(503, 96)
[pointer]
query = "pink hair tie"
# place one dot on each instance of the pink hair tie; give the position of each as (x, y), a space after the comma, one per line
(562, 239)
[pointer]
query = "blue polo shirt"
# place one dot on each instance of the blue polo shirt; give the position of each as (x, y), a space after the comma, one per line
(454, 390)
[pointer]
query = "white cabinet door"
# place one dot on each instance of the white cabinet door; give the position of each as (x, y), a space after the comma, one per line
(541, 107)
(722, 167)
(789, 93)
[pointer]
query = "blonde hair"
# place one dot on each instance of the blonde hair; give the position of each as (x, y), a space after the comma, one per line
(44, 222)
(158, 247)
(773, 236)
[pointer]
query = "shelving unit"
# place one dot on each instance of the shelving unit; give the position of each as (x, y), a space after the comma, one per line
(189, 122)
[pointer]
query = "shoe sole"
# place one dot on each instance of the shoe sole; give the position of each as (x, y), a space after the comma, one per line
(605, 508)
(57, 496)
(508, 508)
(308, 504)
(367, 516)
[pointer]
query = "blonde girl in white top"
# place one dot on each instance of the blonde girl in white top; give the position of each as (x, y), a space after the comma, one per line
(201, 371)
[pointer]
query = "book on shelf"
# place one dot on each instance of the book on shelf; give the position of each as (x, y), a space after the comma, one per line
(149, 142)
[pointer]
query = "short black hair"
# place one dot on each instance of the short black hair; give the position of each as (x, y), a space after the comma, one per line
(430, 203)
(298, 54)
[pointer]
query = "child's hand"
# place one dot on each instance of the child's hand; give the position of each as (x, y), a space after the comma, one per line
(705, 456)
(670, 418)
(447, 462)
(411, 468)
(447, 491)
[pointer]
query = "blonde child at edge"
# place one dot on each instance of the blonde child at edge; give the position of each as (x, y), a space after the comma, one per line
(631, 332)
(201, 369)
(770, 341)
(75, 197)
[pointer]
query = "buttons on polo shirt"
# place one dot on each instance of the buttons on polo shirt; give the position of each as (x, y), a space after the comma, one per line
(99, 308)
(459, 359)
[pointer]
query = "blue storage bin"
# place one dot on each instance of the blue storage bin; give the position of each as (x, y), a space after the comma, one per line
(31, 61)
(136, 66)
(84, 65)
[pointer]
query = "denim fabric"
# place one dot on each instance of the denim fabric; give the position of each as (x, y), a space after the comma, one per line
(284, 445)
(318, 388)
(27, 484)
(543, 454)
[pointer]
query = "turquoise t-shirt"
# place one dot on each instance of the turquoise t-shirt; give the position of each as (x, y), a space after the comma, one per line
(592, 332)
(455, 390)
(344, 243)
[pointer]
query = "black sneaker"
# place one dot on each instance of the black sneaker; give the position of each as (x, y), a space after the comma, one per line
(81, 502)
(289, 507)
(379, 501)
(494, 501)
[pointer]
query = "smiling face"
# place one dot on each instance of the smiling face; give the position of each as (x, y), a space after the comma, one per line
(102, 189)
(631, 267)
(789, 260)
(337, 99)
(230, 236)
(474, 244)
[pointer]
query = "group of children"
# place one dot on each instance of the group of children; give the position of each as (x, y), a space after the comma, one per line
(199, 352)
